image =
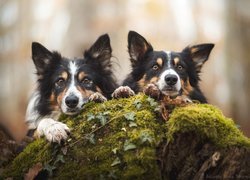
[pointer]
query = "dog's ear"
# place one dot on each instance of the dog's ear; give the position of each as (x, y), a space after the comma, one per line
(41, 56)
(100, 52)
(200, 53)
(137, 46)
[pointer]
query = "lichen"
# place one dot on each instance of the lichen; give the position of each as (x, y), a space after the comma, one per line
(118, 140)
(208, 122)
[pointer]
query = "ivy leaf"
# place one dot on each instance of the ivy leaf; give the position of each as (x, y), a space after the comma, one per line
(152, 102)
(115, 150)
(49, 168)
(157, 109)
(132, 124)
(59, 158)
(102, 118)
(128, 146)
(145, 137)
(64, 149)
(91, 138)
(112, 175)
(90, 117)
(137, 103)
(130, 116)
(106, 113)
(116, 162)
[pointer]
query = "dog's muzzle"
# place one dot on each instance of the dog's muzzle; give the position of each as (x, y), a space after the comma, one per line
(169, 83)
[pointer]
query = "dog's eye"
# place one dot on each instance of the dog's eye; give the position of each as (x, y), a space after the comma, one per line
(86, 81)
(155, 67)
(60, 82)
(180, 67)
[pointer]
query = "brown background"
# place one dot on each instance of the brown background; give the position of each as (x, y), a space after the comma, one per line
(72, 26)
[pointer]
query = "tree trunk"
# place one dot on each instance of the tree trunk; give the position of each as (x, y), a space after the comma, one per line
(190, 157)
(128, 139)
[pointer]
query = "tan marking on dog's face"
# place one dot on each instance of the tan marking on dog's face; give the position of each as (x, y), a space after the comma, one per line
(159, 61)
(98, 89)
(154, 80)
(176, 60)
(59, 98)
(53, 102)
(64, 75)
(81, 76)
(142, 82)
(186, 87)
(85, 93)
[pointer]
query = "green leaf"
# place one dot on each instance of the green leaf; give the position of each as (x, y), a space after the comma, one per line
(145, 137)
(49, 168)
(132, 124)
(91, 138)
(102, 118)
(115, 150)
(137, 103)
(128, 146)
(157, 109)
(106, 113)
(152, 101)
(59, 158)
(90, 117)
(130, 116)
(116, 162)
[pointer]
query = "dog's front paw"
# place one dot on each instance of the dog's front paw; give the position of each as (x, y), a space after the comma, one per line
(97, 97)
(53, 131)
(184, 99)
(123, 92)
(152, 90)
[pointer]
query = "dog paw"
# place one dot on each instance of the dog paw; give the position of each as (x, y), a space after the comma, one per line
(53, 131)
(97, 97)
(152, 90)
(184, 99)
(123, 92)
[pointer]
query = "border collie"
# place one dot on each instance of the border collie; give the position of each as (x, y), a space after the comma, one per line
(66, 85)
(168, 73)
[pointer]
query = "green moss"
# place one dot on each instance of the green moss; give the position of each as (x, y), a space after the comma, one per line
(118, 139)
(114, 139)
(38, 151)
(207, 121)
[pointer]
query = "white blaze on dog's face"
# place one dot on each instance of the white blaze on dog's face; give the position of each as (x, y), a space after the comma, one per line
(67, 84)
(169, 81)
(73, 99)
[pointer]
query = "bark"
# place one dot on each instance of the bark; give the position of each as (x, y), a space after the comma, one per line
(190, 157)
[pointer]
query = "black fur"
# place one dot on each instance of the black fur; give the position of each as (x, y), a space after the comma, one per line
(96, 64)
(143, 57)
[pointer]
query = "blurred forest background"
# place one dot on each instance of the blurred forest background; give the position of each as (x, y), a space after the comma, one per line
(72, 26)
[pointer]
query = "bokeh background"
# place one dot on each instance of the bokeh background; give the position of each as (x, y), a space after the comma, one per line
(72, 26)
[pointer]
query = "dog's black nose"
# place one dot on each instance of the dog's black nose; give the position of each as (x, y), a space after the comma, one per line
(71, 101)
(171, 79)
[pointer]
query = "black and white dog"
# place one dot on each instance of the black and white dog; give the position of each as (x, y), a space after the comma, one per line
(65, 85)
(166, 73)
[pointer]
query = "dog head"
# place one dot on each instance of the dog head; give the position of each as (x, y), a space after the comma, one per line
(67, 84)
(174, 73)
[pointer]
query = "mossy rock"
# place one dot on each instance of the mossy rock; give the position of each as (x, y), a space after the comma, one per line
(118, 139)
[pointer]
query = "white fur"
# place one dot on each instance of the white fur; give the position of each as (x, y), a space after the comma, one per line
(54, 131)
(168, 58)
(162, 83)
(72, 91)
(32, 116)
(123, 91)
